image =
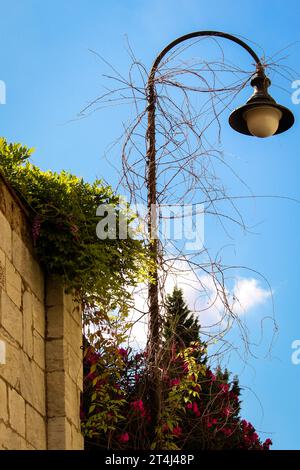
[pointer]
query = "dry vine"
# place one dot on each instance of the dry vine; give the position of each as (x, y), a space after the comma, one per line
(192, 98)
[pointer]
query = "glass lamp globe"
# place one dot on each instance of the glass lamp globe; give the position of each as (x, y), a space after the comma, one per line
(262, 121)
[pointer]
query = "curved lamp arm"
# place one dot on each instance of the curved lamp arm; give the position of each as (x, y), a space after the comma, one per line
(199, 34)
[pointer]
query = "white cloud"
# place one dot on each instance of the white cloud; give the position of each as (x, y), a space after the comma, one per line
(248, 294)
(204, 296)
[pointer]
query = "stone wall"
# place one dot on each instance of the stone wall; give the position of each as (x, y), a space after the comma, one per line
(41, 337)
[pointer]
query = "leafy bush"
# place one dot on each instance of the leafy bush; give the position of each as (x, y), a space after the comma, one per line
(200, 408)
(63, 217)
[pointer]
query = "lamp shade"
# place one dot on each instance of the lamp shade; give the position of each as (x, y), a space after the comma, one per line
(261, 115)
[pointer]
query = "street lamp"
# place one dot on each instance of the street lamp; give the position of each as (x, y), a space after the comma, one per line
(261, 116)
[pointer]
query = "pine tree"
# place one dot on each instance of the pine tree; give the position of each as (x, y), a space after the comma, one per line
(180, 325)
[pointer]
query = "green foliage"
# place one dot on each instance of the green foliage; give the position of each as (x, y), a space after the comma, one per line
(200, 409)
(113, 378)
(180, 388)
(180, 324)
(63, 216)
(104, 400)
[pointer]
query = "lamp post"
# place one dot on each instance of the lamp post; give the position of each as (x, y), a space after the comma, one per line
(261, 116)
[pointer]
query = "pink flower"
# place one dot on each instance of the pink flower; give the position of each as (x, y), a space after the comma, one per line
(100, 383)
(211, 376)
(227, 411)
(36, 228)
(189, 406)
(211, 422)
(250, 428)
(92, 357)
(165, 428)
(226, 431)
(123, 352)
(138, 405)
(254, 437)
(177, 431)
(91, 376)
(267, 444)
(174, 382)
(124, 437)
(224, 388)
(196, 409)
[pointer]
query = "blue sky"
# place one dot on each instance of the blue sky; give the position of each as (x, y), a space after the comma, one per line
(50, 75)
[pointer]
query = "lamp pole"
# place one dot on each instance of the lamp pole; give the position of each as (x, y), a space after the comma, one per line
(261, 116)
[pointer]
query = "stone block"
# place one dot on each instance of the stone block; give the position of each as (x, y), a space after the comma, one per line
(16, 406)
(59, 433)
(76, 313)
(73, 334)
(72, 400)
(33, 390)
(13, 284)
(75, 367)
(26, 446)
(68, 433)
(27, 266)
(3, 401)
(39, 316)
(56, 396)
(39, 350)
(56, 357)
(28, 323)
(55, 322)
(11, 371)
(62, 435)
(55, 293)
(9, 439)
(77, 439)
(35, 428)
(11, 318)
(2, 269)
(6, 200)
(5, 236)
